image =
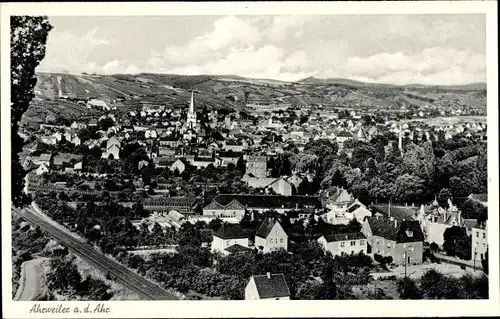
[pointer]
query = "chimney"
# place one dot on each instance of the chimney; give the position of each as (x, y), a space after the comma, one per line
(268, 275)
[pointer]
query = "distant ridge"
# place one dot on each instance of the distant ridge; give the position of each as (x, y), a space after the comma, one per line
(349, 82)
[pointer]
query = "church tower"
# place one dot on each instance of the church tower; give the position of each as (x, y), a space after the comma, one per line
(400, 141)
(191, 115)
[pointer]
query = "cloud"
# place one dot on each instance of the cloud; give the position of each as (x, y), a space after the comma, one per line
(440, 49)
(432, 65)
(284, 26)
(67, 51)
(227, 32)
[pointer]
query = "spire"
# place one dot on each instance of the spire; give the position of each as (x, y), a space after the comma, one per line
(191, 105)
(400, 142)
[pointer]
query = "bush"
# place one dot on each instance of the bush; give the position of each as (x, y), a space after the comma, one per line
(408, 289)
(378, 258)
(387, 260)
(434, 247)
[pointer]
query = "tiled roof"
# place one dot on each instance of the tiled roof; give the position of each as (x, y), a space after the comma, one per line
(237, 248)
(170, 201)
(344, 134)
(396, 230)
(270, 201)
(398, 212)
(229, 154)
(230, 231)
(273, 287)
(343, 237)
(266, 227)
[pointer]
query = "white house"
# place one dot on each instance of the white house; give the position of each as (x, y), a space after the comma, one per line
(230, 236)
(42, 169)
(76, 141)
(271, 236)
(479, 241)
(267, 287)
(341, 244)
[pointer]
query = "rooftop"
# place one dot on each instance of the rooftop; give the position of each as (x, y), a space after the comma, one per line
(396, 230)
(271, 286)
(230, 231)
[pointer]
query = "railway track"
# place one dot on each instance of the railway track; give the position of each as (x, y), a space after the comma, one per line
(143, 287)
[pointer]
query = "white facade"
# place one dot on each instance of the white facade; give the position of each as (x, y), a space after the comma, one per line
(479, 243)
(251, 292)
(348, 246)
(220, 245)
(276, 239)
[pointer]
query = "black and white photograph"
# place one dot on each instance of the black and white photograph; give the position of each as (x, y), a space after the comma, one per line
(248, 156)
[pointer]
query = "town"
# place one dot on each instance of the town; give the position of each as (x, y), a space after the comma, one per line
(233, 186)
(178, 187)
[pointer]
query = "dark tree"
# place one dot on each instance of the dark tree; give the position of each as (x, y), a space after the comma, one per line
(28, 36)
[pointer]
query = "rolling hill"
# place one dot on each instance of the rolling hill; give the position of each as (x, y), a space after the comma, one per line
(231, 92)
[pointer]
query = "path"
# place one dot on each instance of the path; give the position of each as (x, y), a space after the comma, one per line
(31, 280)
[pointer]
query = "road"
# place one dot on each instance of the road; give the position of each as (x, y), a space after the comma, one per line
(143, 287)
(29, 284)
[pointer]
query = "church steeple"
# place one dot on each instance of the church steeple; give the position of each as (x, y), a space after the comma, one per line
(191, 105)
(400, 141)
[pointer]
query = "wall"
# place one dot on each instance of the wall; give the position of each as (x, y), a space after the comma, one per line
(336, 249)
(435, 233)
(237, 213)
(273, 240)
(479, 243)
(221, 244)
(251, 291)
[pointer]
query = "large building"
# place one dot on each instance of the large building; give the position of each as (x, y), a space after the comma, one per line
(402, 240)
(479, 241)
(235, 205)
(435, 220)
(230, 238)
(191, 127)
(256, 166)
(163, 204)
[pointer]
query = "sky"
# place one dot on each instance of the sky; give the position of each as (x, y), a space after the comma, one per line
(398, 49)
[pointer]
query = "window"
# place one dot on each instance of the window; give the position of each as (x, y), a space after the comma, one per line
(353, 243)
(376, 241)
(281, 240)
(342, 244)
(410, 249)
(227, 242)
(361, 242)
(388, 245)
(484, 235)
(477, 234)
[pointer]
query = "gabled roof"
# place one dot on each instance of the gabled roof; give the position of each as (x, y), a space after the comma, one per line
(45, 157)
(266, 227)
(270, 201)
(230, 231)
(344, 237)
(398, 212)
(344, 134)
(274, 286)
(396, 230)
